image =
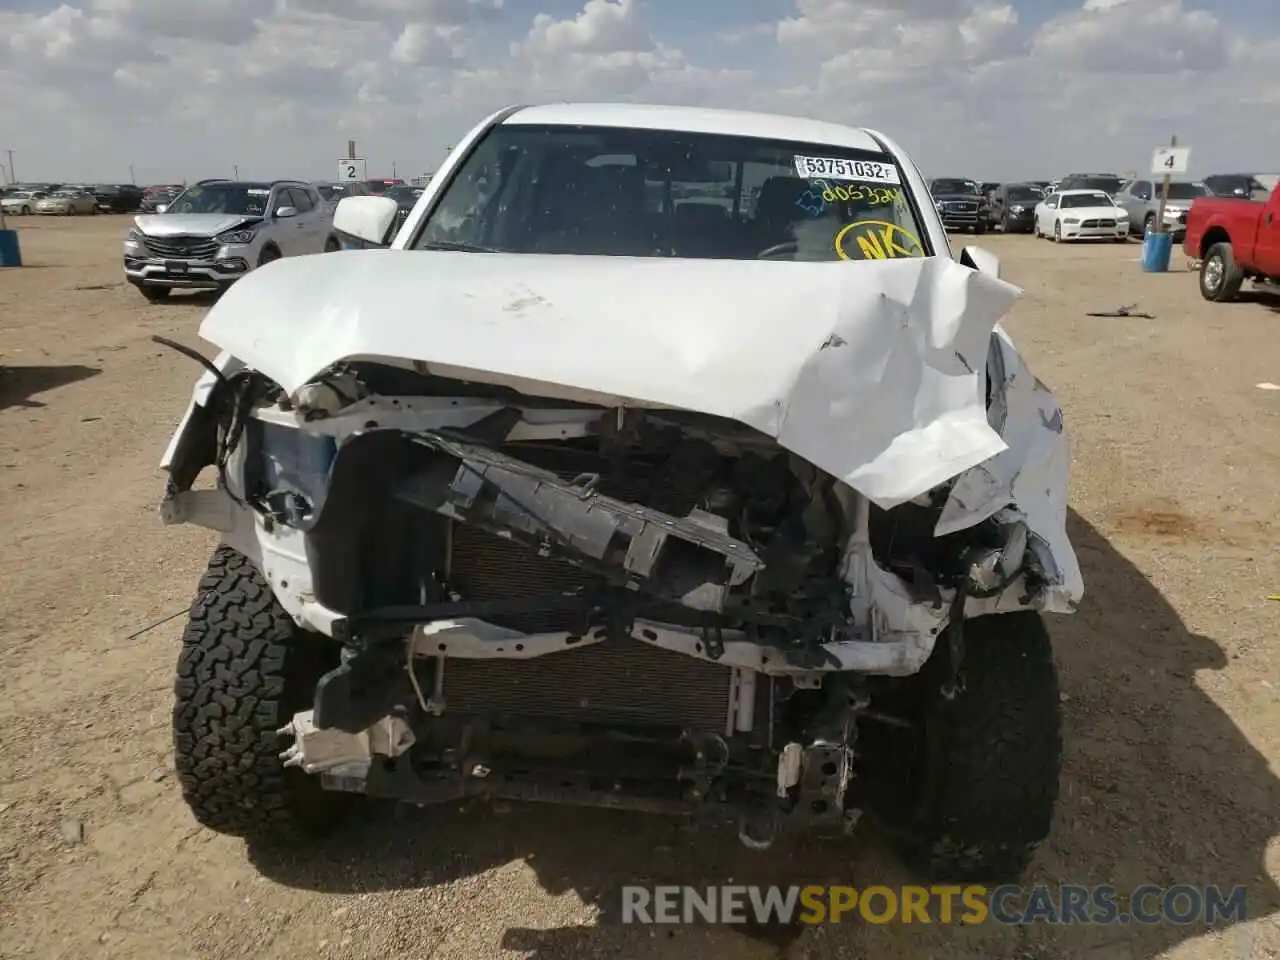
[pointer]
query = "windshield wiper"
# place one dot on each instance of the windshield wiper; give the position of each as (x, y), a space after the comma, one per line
(457, 245)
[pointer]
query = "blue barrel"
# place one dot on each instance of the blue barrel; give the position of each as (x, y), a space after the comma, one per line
(1156, 250)
(10, 254)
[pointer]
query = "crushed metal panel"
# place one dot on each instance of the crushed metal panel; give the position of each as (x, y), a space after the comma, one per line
(686, 559)
(893, 407)
(1028, 480)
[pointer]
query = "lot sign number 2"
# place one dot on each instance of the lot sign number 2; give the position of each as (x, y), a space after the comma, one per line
(350, 170)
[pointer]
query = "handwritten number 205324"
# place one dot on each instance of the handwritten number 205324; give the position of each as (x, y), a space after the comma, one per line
(877, 196)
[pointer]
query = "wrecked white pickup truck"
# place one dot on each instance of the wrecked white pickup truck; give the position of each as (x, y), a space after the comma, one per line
(667, 460)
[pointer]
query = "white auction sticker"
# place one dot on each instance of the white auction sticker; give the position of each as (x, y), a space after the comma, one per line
(834, 168)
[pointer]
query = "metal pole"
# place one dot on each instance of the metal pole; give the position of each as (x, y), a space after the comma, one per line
(1164, 194)
(236, 169)
(351, 149)
(13, 172)
(132, 179)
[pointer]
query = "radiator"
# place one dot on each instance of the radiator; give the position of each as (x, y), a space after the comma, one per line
(615, 681)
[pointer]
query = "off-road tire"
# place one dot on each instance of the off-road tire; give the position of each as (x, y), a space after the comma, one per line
(244, 670)
(992, 757)
(154, 294)
(268, 255)
(1232, 276)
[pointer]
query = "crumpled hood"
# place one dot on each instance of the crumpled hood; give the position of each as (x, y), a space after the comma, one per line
(190, 224)
(872, 371)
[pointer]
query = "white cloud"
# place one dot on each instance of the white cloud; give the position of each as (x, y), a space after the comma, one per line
(603, 27)
(1135, 36)
(426, 43)
(977, 87)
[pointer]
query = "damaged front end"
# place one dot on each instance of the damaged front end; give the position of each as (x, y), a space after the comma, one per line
(634, 607)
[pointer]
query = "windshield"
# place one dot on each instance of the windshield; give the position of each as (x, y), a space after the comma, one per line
(656, 193)
(1086, 200)
(1186, 191)
(1105, 184)
(954, 186)
(244, 199)
(1023, 194)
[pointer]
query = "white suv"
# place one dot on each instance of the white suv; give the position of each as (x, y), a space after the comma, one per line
(216, 231)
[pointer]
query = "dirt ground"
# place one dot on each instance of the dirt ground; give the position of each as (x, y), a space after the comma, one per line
(1171, 670)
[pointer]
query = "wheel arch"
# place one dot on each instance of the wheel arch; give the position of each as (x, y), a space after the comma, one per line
(269, 247)
(1215, 234)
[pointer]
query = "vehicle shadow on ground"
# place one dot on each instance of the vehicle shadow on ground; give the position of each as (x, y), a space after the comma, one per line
(1269, 298)
(1160, 787)
(19, 384)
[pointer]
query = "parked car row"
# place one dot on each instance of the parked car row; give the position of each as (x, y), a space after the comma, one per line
(1020, 207)
(22, 198)
(49, 199)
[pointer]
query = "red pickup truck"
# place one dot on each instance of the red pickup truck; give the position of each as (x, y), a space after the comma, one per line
(1234, 241)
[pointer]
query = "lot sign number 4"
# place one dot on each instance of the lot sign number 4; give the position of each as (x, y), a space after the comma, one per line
(1170, 160)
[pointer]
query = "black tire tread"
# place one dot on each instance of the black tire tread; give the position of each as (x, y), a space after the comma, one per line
(244, 669)
(997, 755)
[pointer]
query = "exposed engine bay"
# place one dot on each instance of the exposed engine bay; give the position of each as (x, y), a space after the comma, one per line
(557, 601)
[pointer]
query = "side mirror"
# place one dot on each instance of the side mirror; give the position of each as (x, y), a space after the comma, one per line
(283, 213)
(370, 219)
(982, 260)
(161, 207)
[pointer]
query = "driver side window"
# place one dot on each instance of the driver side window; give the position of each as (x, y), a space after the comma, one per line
(463, 212)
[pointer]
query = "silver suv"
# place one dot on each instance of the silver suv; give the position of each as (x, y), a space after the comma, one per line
(216, 231)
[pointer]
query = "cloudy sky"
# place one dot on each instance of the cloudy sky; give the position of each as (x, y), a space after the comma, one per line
(992, 89)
